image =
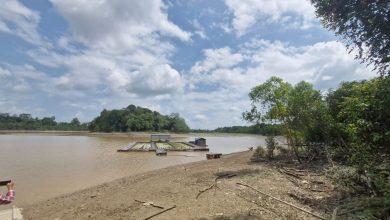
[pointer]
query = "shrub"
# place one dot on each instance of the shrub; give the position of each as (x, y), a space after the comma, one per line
(259, 153)
(271, 145)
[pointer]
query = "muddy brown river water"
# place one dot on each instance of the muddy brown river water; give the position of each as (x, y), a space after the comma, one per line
(45, 166)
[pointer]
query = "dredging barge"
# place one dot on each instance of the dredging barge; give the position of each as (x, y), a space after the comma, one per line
(162, 142)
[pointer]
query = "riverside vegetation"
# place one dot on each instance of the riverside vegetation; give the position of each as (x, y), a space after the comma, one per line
(347, 128)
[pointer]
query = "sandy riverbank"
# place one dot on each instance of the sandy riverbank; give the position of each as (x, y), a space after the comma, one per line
(179, 185)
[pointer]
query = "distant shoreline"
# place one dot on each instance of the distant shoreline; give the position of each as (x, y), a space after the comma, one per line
(84, 133)
(116, 134)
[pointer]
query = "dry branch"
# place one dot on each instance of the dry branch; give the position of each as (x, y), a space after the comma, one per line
(227, 175)
(334, 214)
(158, 213)
(290, 173)
(204, 190)
(279, 200)
(264, 208)
(149, 203)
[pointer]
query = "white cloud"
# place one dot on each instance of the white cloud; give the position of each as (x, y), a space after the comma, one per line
(325, 64)
(4, 72)
(155, 80)
(217, 58)
(199, 29)
(293, 13)
(315, 63)
(116, 24)
(201, 117)
(123, 51)
(17, 19)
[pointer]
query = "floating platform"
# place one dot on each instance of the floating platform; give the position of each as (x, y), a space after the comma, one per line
(161, 142)
(125, 148)
(167, 146)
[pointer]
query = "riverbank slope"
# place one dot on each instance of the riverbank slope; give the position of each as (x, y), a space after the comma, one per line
(180, 185)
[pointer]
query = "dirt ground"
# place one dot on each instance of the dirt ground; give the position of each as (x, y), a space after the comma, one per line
(200, 190)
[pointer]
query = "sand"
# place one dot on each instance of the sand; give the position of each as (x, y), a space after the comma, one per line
(179, 186)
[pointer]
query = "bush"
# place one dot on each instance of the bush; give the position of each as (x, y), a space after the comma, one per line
(271, 145)
(259, 153)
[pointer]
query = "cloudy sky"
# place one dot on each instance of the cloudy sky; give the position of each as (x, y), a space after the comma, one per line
(199, 58)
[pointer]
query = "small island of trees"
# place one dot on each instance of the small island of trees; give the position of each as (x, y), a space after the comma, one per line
(131, 118)
(134, 118)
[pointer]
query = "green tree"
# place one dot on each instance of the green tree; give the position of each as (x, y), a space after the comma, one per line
(299, 109)
(48, 122)
(134, 118)
(361, 114)
(364, 25)
(361, 110)
(75, 122)
(177, 124)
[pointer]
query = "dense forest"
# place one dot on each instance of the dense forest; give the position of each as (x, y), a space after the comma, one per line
(260, 128)
(134, 118)
(27, 122)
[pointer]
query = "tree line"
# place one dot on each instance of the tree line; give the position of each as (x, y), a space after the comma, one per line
(27, 122)
(131, 118)
(261, 129)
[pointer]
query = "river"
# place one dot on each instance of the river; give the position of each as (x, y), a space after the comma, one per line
(44, 166)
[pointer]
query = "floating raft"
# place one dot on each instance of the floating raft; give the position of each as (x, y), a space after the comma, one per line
(125, 148)
(162, 142)
(210, 156)
(167, 146)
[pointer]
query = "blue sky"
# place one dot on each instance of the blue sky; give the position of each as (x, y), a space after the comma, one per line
(198, 58)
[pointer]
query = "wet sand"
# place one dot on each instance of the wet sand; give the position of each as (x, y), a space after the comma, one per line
(179, 186)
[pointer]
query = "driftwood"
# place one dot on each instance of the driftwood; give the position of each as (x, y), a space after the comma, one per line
(296, 170)
(300, 172)
(351, 210)
(334, 214)
(208, 188)
(264, 208)
(298, 176)
(227, 175)
(149, 203)
(158, 213)
(284, 202)
(295, 182)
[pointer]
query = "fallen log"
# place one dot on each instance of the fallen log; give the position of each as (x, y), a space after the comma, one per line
(284, 202)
